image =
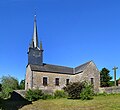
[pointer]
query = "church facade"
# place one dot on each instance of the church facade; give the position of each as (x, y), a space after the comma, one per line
(51, 77)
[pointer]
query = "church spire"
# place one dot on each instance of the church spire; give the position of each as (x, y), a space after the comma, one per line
(35, 52)
(34, 43)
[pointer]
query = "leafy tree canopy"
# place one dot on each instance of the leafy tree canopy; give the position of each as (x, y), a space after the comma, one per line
(9, 84)
(105, 78)
(22, 84)
(0, 87)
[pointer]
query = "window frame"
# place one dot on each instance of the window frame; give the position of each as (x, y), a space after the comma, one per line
(57, 81)
(67, 81)
(45, 81)
(92, 81)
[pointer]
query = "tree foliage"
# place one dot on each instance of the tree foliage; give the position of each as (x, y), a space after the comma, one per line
(33, 95)
(80, 90)
(9, 84)
(0, 87)
(111, 83)
(87, 92)
(22, 84)
(117, 81)
(60, 94)
(105, 78)
(74, 89)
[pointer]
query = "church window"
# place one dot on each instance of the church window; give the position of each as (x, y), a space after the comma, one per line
(45, 81)
(92, 81)
(57, 81)
(67, 81)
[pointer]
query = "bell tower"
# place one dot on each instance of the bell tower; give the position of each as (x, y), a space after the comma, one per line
(35, 52)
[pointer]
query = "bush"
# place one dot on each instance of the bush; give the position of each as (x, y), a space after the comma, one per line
(33, 95)
(47, 96)
(101, 94)
(8, 84)
(6, 93)
(87, 92)
(60, 94)
(74, 89)
(1, 101)
(0, 87)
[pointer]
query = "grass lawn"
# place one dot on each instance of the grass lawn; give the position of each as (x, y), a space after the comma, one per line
(110, 102)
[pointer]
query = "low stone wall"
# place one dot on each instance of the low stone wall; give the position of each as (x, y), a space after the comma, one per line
(101, 90)
(21, 92)
(109, 89)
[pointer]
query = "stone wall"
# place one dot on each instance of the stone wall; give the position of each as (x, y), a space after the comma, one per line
(109, 90)
(21, 92)
(34, 79)
(92, 72)
(28, 80)
(38, 80)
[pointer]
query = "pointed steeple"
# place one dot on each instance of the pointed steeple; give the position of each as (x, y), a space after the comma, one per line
(34, 43)
(35, 52)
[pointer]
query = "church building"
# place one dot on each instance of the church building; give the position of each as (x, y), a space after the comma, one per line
(52, 77)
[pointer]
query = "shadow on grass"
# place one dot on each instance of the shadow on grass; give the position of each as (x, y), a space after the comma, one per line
(15, 102)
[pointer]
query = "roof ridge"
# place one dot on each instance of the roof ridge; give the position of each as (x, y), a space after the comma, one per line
(84, 63)
(82, 67)
(88, 64)
(57, 65)
(60, 69)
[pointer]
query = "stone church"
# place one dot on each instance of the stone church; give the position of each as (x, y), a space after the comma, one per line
(54, 77)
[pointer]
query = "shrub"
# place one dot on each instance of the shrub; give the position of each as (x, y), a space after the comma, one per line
(0, 87)
(47, 96)
(0, 101)
(1, 95)
(101, 94)
(74, 89)
(87, 92)
(60, 94)
(33, 95)
(8, 84)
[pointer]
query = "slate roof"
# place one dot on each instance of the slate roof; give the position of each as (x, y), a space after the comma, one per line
(82, 67)
(59, 69)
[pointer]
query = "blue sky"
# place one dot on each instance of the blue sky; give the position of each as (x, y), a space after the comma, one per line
(72, 31)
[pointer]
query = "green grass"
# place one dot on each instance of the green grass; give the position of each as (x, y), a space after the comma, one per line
(110, 102)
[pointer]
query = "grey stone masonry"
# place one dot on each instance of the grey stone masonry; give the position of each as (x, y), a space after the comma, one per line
(35, 56)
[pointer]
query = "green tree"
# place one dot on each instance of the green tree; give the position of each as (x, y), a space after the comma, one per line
(117, 81)
(0, 87)
(22, 84)
(111, 83)
(105, 78)
(9, 84)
